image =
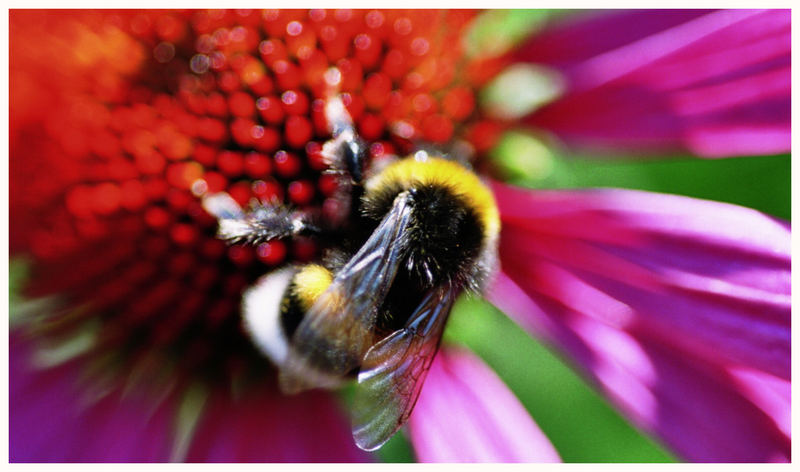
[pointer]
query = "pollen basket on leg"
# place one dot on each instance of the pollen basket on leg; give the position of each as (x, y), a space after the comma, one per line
(310, 282)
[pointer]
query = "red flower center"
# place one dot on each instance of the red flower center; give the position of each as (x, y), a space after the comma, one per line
(215, 101)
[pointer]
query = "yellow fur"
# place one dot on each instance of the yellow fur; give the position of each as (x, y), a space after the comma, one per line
(438, 171)
(309, 284)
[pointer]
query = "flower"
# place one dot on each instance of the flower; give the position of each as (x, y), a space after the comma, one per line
(715, 83)
(659, 309)
(677, 308)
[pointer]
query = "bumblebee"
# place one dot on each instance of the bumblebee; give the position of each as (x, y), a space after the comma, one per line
(419, 232)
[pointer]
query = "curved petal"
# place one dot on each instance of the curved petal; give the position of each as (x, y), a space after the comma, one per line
(264, 426)
(51, 420)
(678, 308)
(466, 414)
(714, 83)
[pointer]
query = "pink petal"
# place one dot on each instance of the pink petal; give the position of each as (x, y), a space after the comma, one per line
(466, 414)
(714, 83)
(51, 421)
(678, 308)
(770, 393)
(265, 426)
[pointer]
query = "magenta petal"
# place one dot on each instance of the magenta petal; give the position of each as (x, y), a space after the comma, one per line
(581, 36)
(714, 83)
(264, 426)
(51, 421)
(466, 414)
(678, 308)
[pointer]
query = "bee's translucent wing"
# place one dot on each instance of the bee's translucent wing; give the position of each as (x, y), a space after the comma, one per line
(337, 331)
(394, 370)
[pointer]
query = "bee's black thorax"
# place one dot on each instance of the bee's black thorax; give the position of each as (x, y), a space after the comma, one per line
(444, 236)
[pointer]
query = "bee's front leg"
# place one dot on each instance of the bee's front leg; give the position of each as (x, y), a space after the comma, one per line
(260, 223)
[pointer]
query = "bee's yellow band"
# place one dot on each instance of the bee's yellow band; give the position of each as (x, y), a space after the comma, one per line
(438, 171)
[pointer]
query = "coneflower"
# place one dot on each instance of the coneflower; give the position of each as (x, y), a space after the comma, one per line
(130, 347)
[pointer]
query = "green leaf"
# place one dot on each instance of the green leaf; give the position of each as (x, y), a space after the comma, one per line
(18, 273)
(521, 89)
(760, 182)
(397, 449)
(496, 31)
